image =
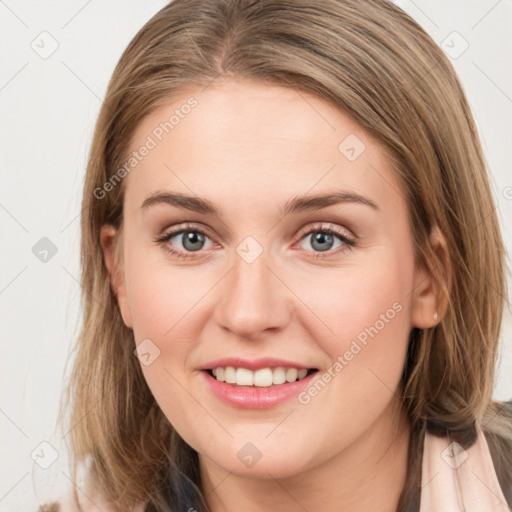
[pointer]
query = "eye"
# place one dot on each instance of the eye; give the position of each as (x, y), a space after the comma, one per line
(323, 237)
(191, 238)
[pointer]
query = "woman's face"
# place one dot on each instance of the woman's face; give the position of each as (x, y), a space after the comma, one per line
(266, 276)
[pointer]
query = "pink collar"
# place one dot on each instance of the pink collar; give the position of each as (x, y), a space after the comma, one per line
(458, 480)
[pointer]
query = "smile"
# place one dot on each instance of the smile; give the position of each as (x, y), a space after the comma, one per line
(256, 389)
(263, 377)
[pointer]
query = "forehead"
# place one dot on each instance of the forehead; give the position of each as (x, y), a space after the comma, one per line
(247, 140)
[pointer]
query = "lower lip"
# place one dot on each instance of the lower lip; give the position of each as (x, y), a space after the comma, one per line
(254, 397)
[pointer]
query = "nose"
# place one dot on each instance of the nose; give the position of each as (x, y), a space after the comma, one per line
(254, 299)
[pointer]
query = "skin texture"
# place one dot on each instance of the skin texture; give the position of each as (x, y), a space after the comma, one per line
(249, 148)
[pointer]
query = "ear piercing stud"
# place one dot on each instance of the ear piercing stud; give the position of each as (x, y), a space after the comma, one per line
(436, 316)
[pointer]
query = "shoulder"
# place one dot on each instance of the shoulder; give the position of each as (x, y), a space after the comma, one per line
(68, 503)
(85, 504)
(498, 433)
(54, 506)
(87, 498)
(451, 473)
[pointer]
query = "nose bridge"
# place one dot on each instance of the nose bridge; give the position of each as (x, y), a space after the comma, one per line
(253, 299)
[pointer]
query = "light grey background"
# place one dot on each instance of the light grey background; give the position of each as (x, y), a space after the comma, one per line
(49, 103)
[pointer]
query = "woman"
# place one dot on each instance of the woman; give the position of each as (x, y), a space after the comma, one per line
(226, 358)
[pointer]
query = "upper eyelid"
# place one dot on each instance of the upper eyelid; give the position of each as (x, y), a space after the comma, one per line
(172, 232)
(324, 226)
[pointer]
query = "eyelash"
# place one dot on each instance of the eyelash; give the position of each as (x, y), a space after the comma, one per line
(348, 242)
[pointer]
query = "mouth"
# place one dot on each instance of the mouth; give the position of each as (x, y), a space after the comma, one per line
(263, 377)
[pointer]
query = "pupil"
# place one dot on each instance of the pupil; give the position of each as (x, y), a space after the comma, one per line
(322, 238)
(193, 238)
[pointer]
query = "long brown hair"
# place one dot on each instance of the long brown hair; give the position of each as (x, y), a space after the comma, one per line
(372, 61)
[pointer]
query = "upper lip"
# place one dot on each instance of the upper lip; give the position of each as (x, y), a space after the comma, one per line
(253, 364)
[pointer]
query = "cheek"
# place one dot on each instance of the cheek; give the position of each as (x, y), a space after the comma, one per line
(359, 302)
(163, 300)
(364, 327)
(369, 314)
(181, 407)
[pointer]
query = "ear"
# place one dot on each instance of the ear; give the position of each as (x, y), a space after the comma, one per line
(110, 245)
(432, 284)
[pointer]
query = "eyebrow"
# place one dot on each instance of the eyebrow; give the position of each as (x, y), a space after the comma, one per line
(297, 204)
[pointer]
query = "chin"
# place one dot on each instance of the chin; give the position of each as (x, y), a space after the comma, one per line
(261, 464)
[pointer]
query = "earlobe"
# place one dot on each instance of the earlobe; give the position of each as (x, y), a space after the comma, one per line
(432, 284)
(109, 244)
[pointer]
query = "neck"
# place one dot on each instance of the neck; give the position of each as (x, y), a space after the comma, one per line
(368, 475)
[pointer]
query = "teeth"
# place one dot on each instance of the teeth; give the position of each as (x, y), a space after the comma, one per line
(244, 377)
(230, 375)
(263, 377)
(279, 376)
(292, 374)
